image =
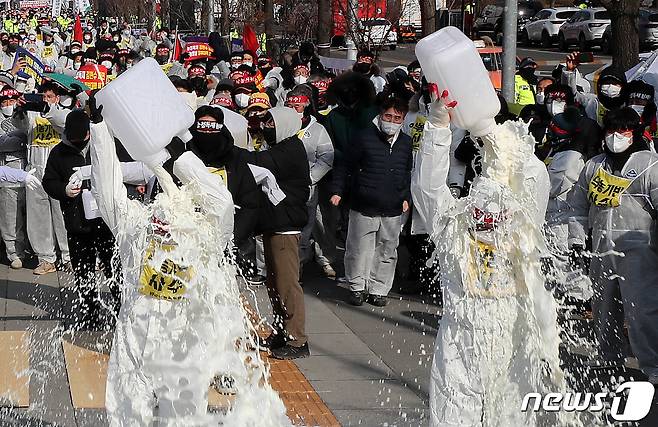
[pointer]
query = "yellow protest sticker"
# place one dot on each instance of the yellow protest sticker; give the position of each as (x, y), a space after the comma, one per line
(166, 282)
(44, 135)
(605, 189)
(47, 52)
(220, 172)
(487, 275)
(417, 131)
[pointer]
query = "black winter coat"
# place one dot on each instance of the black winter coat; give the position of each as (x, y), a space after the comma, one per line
(59, 168)
(288, 162)
(376, 175)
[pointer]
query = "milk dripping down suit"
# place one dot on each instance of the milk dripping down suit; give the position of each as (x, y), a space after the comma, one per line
(497, 338)
(174, 330)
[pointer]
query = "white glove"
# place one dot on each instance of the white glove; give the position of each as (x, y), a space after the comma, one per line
(439, 111)
(81, 173)
(31, 181)
(73, 187)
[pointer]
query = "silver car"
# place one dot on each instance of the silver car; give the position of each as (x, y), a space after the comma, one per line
(544, 26)
(585, 29)
(647, 29)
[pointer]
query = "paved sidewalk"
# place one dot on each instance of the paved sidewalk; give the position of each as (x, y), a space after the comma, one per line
(369, 366)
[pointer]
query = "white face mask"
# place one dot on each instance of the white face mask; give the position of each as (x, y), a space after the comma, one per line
(76, 65)
(389, 128)
(301, 115)
(247, 63)
(107, 64)
(65, 101)
(556, 107)
(74, 51)
(242, 100)
(611, 91)
(639, 109)
(300, 80)
(618, 143)
(235, 66)
(540, 98)
(129, 65)
(8, 110)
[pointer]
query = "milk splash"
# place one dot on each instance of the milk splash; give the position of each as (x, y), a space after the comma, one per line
(498, 316)
(184, 343)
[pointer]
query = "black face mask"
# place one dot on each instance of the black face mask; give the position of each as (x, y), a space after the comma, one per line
(4, 42)
(162, 59)
(80, 145)
(211, 145)
(11, 47)
(362, 67)
(269, 134)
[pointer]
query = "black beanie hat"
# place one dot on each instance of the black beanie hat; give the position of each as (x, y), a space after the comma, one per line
(76, 126)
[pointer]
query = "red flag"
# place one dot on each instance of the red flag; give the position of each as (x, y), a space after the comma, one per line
(77, 29)
(178, 49)
(249, 40)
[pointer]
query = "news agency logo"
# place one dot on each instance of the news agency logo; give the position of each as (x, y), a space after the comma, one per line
(639, 396)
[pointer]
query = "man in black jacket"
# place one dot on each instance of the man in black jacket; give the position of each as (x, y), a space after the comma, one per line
(376, 174)
(282, 225)
(87, 238)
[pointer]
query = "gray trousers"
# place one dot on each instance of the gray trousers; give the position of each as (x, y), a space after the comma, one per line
(371, 252)
(12, 221)
(626, 288)
(45, 226)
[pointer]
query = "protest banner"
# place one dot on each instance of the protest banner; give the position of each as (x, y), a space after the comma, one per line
(198, 51)
(32, 68)
(93, 75)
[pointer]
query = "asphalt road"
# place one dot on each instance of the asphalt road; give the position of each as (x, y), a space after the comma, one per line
(547, 59)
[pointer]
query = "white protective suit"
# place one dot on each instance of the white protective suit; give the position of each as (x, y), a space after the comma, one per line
(498, 332)
(45, 223)
(563, 171)
(181, 319)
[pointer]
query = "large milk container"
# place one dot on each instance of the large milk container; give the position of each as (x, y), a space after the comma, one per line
(145, 111)
(450, 59)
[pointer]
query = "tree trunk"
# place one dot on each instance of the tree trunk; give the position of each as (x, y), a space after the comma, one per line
(205, 10)
(164, 11)
(624, 35)
(269, 23)
(325, 23)
(428, 16)
(225, 20)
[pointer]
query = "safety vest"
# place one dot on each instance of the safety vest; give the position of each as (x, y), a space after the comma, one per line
(10, 27)
(234, 35)
(263, 42)
(34, 23)
(523, 92)
(158, 23)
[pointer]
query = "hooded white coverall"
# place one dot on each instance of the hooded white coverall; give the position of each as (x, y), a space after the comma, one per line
(624, 264)
(181, 319)
(498, 329)
(45, 223)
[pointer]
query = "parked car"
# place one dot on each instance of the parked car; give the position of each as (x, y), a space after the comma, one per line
(647, 28)
(492, 58)
(490, 20)
(544, 26)
(379, 32)
(585, 29)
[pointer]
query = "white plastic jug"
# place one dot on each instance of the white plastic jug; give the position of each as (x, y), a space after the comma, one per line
(450, 59)
(145, 111)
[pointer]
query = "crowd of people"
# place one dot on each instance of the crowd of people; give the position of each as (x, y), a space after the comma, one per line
(317, 160)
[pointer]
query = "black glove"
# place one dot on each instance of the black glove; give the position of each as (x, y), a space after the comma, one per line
(95, 111)
(76, 89)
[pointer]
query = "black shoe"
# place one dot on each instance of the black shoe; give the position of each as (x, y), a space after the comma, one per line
(377, 300)
(288, 352)
(255, 279)
(274, 341)
(356, 298)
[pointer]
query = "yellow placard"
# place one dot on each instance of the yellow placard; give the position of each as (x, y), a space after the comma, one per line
(487, 275)
(220, 172)
(44, 135)
(166, 282)
(417, 131)
(605, 189)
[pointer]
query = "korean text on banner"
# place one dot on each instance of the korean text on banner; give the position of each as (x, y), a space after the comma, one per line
(93, 75)
(33, 67)
(198, 51)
